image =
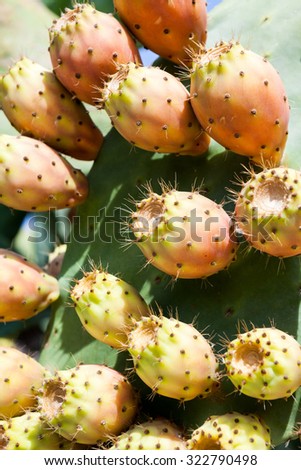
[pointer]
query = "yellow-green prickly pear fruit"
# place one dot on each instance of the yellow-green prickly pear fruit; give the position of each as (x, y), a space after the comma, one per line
(231, 431)
(173, 358)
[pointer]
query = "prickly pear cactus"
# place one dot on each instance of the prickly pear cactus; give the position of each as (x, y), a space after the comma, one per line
(255, 289)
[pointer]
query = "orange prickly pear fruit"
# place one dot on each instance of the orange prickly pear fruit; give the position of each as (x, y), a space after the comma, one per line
(39, 106)
(86, 46)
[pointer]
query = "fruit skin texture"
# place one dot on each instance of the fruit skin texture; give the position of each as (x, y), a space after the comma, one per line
(264, 363)
(150, 108)
(184, 234)
(86, 46)
(107, 306)
(21, 376)
(231, 431)
(39, 106)
(173, 358)
(89, 403)
(34, 177)
(30, 432)
(156, 434)
(240, 100)
(168, 28)
(25, 289)
(267, 211)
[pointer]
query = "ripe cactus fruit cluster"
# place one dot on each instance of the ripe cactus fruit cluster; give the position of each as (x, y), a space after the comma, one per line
(267, 211)
(240, 100)
(86, 45)
(21, 376)
(30, 432)
(132, 98)
(173, 358)
(154, 434)
(88, 403)
(169, 28)
(25, 288)
(34, 177)
(107, 306)
(231, 431)
(39, 106)
(264, 363)
(184, 234)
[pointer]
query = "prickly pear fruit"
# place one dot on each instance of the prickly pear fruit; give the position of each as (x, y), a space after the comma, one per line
(267, 211)
(107, 306)
(231, 431)
(154, 434)
(88, 403)
(21, 376)
(34, 177)
(169, 28)
(39, 106)
(173, 358)
(25, 289)
(240, 100)
(86, 46)
(264, 363)
(30, 432)
(184, 234)
(132, 98)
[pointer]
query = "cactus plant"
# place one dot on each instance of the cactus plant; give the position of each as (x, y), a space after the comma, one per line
(269, 291)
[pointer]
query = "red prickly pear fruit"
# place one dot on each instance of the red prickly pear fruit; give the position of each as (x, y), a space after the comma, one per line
(170, 28)
(89, 403)
(264, 363)
(107, 306)
(86, 46)
(25, 289)
(34, 177)
(21, 376)
(154, 434)
(173, 358)
(240, 100)
(30, 432)
(184, 234)
(132, 99)
(39, 106)
(267, 211)
(231, 431)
